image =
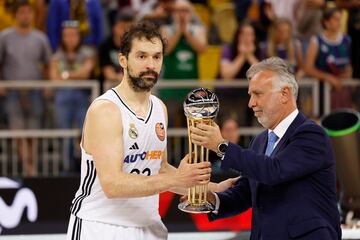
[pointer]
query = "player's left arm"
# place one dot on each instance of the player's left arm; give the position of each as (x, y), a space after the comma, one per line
(167, 168)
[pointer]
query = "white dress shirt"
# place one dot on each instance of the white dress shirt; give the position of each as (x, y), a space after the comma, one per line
(281, 128)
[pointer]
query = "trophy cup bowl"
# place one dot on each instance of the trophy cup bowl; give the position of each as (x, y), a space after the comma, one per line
(200, 106)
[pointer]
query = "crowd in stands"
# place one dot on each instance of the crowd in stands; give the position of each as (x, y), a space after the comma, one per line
(64, 40)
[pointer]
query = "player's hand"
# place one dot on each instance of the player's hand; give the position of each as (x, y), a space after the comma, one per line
(228, 183)
(206, 135)
(189, 175)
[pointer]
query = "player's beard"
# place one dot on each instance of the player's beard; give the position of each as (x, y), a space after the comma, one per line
(141, 84)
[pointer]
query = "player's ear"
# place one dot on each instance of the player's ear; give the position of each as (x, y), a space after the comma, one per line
(122, 60)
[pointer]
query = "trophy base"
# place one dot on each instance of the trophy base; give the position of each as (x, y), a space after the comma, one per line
(187, 207)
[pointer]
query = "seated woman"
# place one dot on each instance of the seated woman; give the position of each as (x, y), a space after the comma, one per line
(328, 60)
(236, 59)
(281, 43)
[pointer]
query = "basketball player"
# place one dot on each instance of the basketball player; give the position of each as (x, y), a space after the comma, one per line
(124, 162)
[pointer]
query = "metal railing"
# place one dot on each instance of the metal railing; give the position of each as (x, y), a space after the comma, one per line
(48, 144)
(47, 150)
(305, 83)
(93, 85)
(327, 92)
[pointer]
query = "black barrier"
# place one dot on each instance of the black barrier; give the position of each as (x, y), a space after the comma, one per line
(343, 128)
(42, 205)
(36, 205)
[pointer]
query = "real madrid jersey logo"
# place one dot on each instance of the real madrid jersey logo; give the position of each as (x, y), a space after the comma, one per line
(133, 132)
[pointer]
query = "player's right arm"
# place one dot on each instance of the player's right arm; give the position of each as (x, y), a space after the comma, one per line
(102, 139)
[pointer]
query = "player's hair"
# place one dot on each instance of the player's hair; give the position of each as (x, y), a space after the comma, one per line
(143, 29)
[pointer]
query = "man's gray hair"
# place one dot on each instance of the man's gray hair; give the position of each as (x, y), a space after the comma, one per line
(280, 68)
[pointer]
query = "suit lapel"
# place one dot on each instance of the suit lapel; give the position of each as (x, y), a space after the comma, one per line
(300, 118)
(263, 144)
(260, 149)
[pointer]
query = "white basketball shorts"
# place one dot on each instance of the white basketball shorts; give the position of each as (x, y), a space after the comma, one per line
(80, 229)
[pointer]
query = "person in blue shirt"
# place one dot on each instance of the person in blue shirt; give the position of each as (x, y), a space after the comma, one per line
(87, 12)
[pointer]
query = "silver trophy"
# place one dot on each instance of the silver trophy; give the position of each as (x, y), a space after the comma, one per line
(200, 106)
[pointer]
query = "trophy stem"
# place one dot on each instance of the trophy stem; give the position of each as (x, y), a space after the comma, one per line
(201, 192)
(207, 159)
(189, 123)
(195, 160)
(196, 201)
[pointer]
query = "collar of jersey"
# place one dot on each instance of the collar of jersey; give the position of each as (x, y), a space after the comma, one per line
(128, 108)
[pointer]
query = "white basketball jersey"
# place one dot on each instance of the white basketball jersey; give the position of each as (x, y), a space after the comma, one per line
(144, 146)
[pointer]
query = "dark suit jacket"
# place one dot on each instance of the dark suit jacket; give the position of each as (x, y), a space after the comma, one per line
(292, 192)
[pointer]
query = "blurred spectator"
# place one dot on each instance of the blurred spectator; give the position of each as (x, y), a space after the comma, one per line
(282, 9)
(235, 61)
(254, 12)
(308, 20)
(185, 41)
(353, 7)
(40, 8)
(72, 61)
(230, 130)
(136, 6)
(6, 14)
(157, 11)
(7, 18)
(110, 9)
(237, 58)
(328, 59)
(281, 43)
(3, 116)
(24, 55)
(109, 49)
(87, 12)
(354, 31)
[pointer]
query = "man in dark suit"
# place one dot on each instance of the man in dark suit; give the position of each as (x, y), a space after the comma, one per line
(288, 172)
